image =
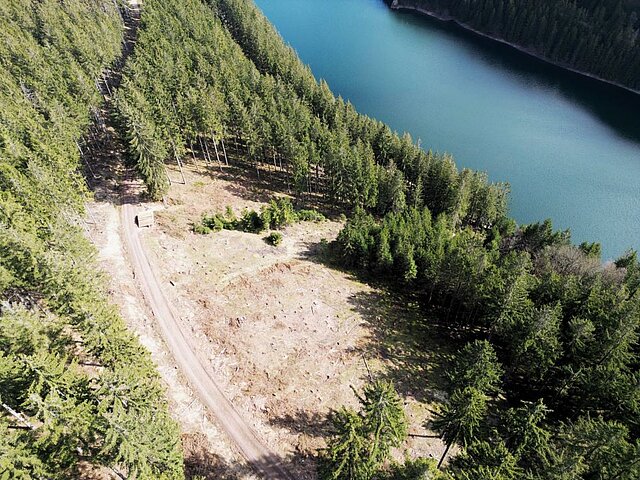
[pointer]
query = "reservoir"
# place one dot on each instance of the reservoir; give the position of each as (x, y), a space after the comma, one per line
(569, 146)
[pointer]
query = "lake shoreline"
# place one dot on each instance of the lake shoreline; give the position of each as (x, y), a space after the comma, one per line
(567, 145)
(449, 19)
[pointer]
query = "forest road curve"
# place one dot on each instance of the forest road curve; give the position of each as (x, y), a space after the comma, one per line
(258, 455)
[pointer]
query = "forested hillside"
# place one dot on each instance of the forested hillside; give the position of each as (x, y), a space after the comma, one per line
(196, 83)
(76, 389)
(548, 386)
(601, 38)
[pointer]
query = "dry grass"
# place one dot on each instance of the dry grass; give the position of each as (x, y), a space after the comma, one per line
(286, 334)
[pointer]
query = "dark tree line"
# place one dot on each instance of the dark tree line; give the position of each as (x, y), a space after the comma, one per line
(552, 377)
(598, 37)
(75, 386)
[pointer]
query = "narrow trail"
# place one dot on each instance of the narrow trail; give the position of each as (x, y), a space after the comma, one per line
(256, 453)
(112, 181)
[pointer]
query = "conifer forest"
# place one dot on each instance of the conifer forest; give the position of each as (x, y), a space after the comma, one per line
(544, 382)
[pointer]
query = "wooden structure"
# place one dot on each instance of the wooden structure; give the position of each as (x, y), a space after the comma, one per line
(145, 219)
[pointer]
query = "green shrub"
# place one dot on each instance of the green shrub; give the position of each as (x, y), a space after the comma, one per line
(279, 213)
(214, 222)
(274, 238)
(267, 215)
(310, 216)
(201, 229)
(251, 222)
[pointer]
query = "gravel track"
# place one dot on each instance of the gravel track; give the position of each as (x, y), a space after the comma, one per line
(258, 455)
(261, 458)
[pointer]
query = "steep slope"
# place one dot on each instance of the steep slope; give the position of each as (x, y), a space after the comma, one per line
(552, 331)
(245, 439)
(77, 390)
(214, 76)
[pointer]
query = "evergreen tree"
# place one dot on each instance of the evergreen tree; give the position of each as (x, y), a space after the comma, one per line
(484, 460)
(461, 418)
(527, 436)
(348, 455)
(384, 418)
(54, 315)
(477, 366)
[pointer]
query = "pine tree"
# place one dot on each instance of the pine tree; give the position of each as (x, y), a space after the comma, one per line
(384, 419)
(347, 456)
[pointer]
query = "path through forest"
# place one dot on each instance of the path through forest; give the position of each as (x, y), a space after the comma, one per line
(257, 454)
(112, 182)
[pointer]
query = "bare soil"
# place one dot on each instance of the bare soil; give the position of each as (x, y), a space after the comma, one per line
(286, 336)
(200, 433)
(208, 451)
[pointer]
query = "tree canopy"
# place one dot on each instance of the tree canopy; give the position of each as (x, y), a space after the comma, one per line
(75, 385)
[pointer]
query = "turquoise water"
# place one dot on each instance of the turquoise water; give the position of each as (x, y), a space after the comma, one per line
(568, 146)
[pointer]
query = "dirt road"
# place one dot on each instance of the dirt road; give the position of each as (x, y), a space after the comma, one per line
(116, 185)
(257, 454)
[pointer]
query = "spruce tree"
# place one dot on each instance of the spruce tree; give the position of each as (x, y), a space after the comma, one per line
(347, 456)
(384, 420)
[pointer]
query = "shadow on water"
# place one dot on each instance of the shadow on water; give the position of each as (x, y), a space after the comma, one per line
(614, 106)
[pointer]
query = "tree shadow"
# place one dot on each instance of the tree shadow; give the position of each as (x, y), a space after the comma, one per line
(412, 340)
(413, 347)
(282, 468)
(201, 463)
(210, 466)
(316, 252)
(313, 424)
(102, 151)
(245, 184)
(311, 427)
(259, 185)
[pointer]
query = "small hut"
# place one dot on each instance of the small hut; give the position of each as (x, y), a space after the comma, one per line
(145, 219)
